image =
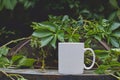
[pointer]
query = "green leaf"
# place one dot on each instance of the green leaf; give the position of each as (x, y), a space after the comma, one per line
(10, 4)
(48, 25)
(116, 34)
(114, 64)
(53, 42)
(4, 50)
(114, 42)
(16, 58)
(22, 78)
(41, 33)
(45, 41)
(75, 38)
(26, 62)
(65, 18)
(97, 37)
(114, 26)
(112, 16)
(114, 3)
(60, 36)
(115, 51)
(101, 69)
(1, 5)
(118, 14)
(4, 62)
(27, 4)
(101, 53)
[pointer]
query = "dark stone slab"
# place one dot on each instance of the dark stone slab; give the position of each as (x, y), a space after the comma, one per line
(36, 74)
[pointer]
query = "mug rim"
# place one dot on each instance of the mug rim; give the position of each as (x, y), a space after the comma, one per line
(70, 42)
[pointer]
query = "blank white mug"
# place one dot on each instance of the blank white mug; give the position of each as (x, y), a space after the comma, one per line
(71, 58)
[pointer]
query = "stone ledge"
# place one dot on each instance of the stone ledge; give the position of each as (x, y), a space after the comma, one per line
(36, 74)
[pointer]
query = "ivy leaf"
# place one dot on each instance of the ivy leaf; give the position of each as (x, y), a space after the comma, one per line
(26, 62)
(97, 37)
(101, 69)
(53, 42)
(101, 53)
(114, 64)
(114, 26)
(21, 78)
(16, 58)
(10, 4)
(114, 3)
(118, 14)
(112, 16)
(60, 35)
(4, 50)
(116, 34)
(114, 42)
(1, 5)
(48, 25)
(41, 33)
(4, 62)
(65, 18)
(45, 41)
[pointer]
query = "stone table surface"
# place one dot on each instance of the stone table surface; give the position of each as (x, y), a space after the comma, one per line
(36, 74)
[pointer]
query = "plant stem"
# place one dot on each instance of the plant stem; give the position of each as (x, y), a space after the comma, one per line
(7, 75)
(104, 45)
(43, 60)
(16, 40)
(75, 30)
(21, 46)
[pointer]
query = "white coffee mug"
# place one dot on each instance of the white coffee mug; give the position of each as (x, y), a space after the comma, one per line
(71, 58)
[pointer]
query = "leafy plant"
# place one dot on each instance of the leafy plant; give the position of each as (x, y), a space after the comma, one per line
(13, 76)
(49, 33)
(4, 60)
(56, 29)
(110, 64)
(105, 32)
(21, 61)
(11, 4)
(116, 13)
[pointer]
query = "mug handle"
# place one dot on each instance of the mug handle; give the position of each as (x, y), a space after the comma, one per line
(93, 60)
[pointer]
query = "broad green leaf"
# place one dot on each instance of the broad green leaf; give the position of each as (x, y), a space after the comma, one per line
(4, 50)
(26, 62)
(60, 36)
(65, 18)
(45, 41)
(21, 78)
(114, 26)
(114, 42)
(74, 38)
(4, 62)
(50, 26)
(97, 37)
(10, 4)
(114, 3)
(114, 64)
(27, 4)
(116, 34)
(112, 16)
(115, 51)
(101, 53)
(16, 58)
(1, 5)
(53, 42)
(41, 33)
(118, 14)
(101, 69)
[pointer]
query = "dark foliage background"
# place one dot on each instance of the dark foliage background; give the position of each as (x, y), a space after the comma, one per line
(19, 18)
